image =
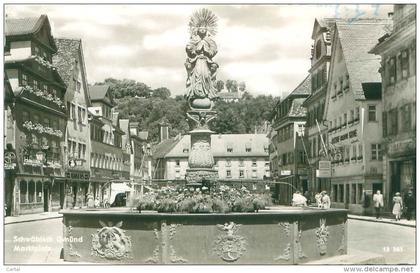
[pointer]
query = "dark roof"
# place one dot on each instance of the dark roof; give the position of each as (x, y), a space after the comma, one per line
(164, 147)
(304, 88)
(372, 90)
(28, 26)
(67, 54)
(357, 38)
(297, 110)
(98, 92)
(22, 26)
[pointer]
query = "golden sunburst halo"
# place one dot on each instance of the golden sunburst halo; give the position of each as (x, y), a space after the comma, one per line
(203, 18)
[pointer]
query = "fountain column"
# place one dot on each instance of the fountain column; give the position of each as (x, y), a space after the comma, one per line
(201, 94)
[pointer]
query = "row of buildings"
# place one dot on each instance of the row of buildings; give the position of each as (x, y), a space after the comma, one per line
(349, 128)
(63, 139)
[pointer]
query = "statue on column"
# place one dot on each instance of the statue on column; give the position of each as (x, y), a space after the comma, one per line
(201, 92)
(201, 69)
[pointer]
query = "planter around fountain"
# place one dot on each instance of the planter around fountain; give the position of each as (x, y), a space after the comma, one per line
(270, 237)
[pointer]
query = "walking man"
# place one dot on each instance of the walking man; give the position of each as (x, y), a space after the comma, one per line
(378, 203)
(410, 205)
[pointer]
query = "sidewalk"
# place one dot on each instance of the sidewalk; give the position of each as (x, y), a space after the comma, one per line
(402, 222)
(31, 217)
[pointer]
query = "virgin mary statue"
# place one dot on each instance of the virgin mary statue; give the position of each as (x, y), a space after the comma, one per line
(201, 69)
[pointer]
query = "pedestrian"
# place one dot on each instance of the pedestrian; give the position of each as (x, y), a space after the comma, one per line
(90, 200)
(298, 200)
(308, 197)
(378, 203)
(318, 199)
(410, 205)
(325, 200)
(398, 206)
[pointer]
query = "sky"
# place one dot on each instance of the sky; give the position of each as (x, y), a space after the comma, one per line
(266, 46)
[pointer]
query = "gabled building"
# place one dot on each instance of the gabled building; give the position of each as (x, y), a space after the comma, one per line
(316, 130)
(70, 64)
(397, 50)
(135, 143)
(37, 119)
(108, 162)
(353, 113)
(238, 157)
(290, 160)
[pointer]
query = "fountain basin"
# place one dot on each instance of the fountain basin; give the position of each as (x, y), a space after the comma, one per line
(291, 236)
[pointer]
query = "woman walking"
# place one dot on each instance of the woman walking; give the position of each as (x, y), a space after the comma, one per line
(398, 205)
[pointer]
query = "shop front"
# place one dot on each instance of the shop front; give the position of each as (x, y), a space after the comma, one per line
(401, 162)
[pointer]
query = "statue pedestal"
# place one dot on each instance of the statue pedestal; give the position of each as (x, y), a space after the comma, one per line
(200, 161)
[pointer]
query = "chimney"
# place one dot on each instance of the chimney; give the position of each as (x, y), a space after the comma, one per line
(163, 131)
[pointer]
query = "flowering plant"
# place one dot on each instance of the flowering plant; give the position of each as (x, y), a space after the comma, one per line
(44, 94)
(37, 127)
(221, 199)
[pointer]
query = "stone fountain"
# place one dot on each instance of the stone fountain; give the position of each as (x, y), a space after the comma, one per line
(201, 94)
(290, 236)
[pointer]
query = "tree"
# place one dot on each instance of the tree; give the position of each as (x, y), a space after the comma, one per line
(220, 85)
(242, 86)
(161, 92)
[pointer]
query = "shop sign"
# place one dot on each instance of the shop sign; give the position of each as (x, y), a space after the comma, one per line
(402, 146)
(324, 170)
(9, 160)
(285, 172)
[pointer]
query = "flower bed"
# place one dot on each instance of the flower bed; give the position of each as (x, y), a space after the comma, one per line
(221, 199)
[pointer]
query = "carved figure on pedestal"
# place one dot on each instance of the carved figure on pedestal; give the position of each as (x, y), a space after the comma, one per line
(201, 69)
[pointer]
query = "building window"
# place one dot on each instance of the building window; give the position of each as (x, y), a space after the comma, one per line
(384, 124)
(248, 147)
(345, 120)
(24, 80)
(392, 71)
(228, 173)
(354, 155)
(78, 86)
(265, 148)
(177, 174)
(228, 163)
(356, 114)
(372, 113)
(241, 162)
(353, 193)
(376, 152)
(406, 118)
(177, 163)
(254, 173)
(404, 64)
(360, 151)
(393, 122)
(241, 173)
(351, 118)
(254, 163)
(341, 193)
(346, 82)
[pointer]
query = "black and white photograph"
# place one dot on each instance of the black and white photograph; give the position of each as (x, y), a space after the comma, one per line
(255, 136)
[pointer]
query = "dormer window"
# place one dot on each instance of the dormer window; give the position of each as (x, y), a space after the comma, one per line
(229, 148)
(248, 147)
